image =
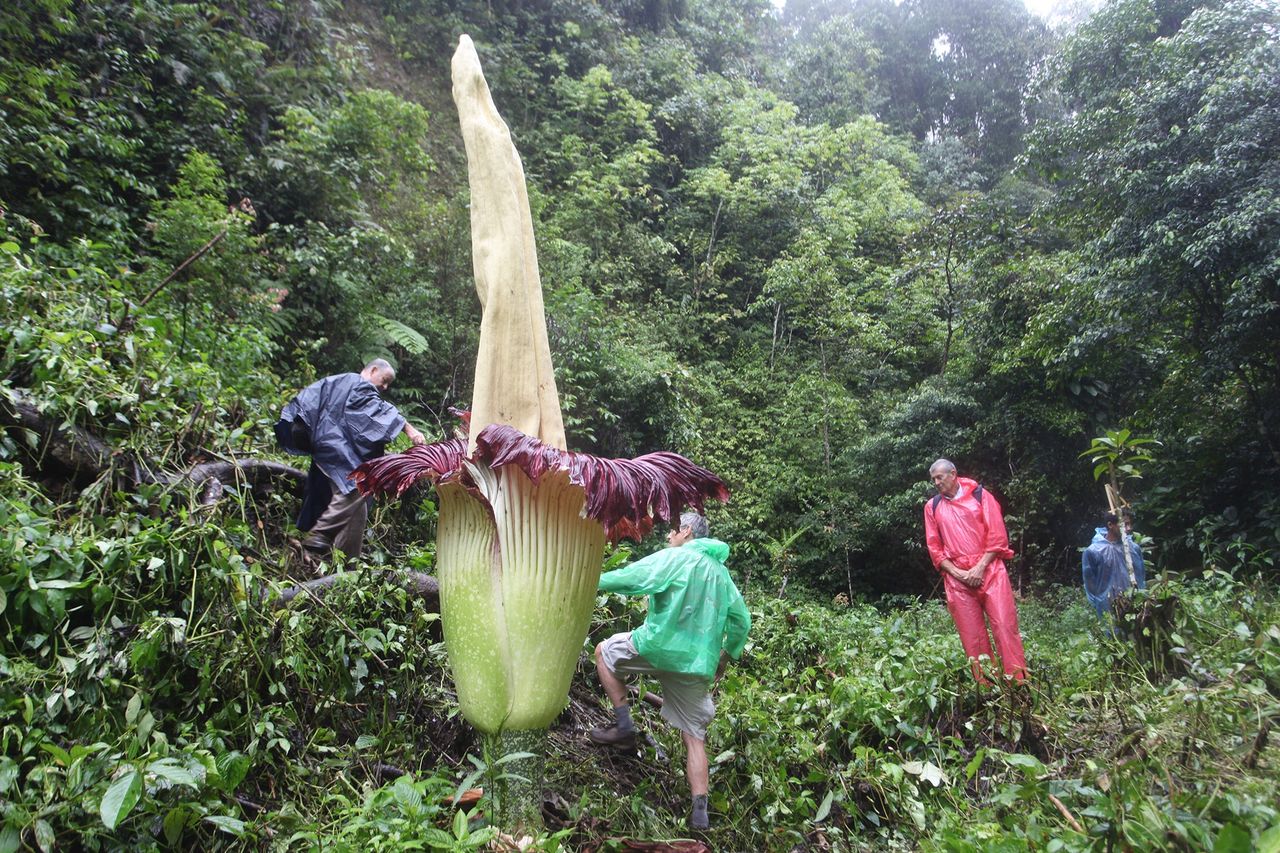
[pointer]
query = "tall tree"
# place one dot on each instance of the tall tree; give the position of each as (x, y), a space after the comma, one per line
(957, 68)
(1167, 167)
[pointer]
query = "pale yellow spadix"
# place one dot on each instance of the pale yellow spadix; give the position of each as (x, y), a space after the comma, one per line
(514, 383)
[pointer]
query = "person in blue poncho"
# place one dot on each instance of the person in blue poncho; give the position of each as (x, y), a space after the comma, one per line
(341, 421)
(696, 622)
(1103, 565)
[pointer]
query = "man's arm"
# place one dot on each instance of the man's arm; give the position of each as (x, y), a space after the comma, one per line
(997, 542)
(736, 626)
(932, 539)
(1089, 572)
(648, 576)
(416, 437)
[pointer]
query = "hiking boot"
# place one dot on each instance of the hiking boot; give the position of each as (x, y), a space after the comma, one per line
(698, 818)
(613, 736)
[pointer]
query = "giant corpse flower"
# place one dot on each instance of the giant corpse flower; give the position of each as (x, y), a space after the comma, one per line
(523, 521)
(519, 546)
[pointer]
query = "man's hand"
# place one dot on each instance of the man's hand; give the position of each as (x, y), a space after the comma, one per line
(416, 437)
(724, 661)
(969, 577)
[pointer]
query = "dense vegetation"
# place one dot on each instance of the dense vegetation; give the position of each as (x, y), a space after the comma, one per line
(812, 249)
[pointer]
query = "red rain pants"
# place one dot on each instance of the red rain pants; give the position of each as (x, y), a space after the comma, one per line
(994, 601)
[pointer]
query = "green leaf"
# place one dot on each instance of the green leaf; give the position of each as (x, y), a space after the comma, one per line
(45, 838)
(10, 839)
(971, 769)
(480, 837)
(232, 768)
(1028, 762)
(366, 741)
(398, 333)
(170, 770)
(825, 808)
(175, 822)
(226, 823)
(408, 796)
(1269, 841)
(9, 247)
(120, 798)
(1233, 839)
(438, 838)
(59, 754)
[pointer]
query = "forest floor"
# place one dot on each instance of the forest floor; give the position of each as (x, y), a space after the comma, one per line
(159, 693)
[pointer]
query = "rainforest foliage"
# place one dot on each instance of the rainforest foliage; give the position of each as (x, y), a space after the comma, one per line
(812, 248)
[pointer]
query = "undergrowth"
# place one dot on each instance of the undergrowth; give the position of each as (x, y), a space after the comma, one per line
(157, 693)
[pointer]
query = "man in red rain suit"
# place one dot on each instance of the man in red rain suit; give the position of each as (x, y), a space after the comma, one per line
(964, 529)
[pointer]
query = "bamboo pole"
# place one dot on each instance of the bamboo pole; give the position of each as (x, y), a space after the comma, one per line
(1118, 505)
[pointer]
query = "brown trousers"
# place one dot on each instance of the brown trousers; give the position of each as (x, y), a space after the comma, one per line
(340, 526)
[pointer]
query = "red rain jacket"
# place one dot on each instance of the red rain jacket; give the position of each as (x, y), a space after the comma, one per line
(964, 528)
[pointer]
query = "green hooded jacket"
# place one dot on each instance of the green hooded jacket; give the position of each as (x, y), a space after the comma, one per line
(694, 608)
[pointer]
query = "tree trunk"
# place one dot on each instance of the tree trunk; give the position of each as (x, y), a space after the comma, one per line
(87, 457)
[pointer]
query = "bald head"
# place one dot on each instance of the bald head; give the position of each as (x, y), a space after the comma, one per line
(380, 373)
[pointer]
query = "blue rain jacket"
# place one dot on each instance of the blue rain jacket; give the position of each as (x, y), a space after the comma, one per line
(1105, 574)
(341, 421)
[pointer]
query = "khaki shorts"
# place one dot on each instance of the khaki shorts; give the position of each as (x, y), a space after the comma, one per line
(686, 699)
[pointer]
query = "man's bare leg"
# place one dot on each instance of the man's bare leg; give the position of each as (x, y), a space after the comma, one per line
(613, 686)
(696, 766)
(699, 774)
(623, 732)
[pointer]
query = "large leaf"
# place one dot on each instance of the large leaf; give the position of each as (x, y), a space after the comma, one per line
(120, 798)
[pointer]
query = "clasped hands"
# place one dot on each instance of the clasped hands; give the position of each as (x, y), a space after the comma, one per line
(969, 577)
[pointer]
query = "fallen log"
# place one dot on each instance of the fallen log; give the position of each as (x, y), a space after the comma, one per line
(648, 697)
(78, 450)
(418, 583)
(87, 457)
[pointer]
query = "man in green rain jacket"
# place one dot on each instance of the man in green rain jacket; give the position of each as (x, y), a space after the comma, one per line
(696, 621)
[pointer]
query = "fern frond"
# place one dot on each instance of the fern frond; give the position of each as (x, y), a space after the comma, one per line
(409, 339)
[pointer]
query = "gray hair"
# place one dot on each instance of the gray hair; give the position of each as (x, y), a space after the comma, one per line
(944, 464)
(381, 364)
(697, 524)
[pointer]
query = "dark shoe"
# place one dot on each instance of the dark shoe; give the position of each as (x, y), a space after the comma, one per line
(698, 819)
(612, 736)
